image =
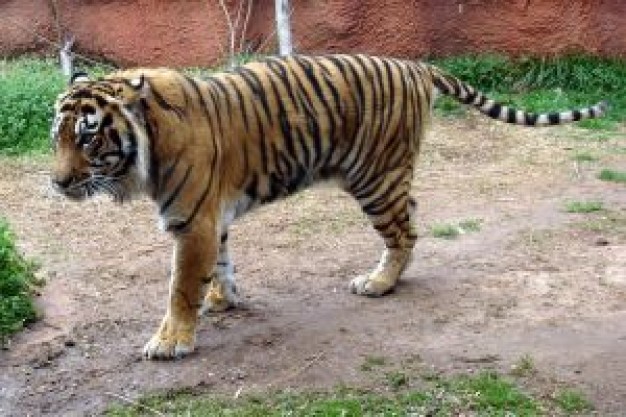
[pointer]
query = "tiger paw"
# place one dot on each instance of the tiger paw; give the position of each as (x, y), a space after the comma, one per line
(372, 285)
(171, 341)
(220, 296)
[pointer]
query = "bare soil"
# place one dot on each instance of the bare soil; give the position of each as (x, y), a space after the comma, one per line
(534, 280)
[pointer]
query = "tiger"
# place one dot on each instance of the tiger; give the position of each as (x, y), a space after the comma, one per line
(208, 149)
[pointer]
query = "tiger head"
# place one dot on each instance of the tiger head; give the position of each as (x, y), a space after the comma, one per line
(98, 138)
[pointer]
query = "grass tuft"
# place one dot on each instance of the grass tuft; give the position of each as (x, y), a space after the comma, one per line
(452, 231)
(524, 367)
(612, 175)
(372, 362)
(16, 280)
(572, 401)
(584, 156)
(583, 206)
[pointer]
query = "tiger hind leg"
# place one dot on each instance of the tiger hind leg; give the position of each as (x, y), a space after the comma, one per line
(220, 289)
(392, 213)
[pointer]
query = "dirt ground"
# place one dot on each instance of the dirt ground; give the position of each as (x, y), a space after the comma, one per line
(534, 280)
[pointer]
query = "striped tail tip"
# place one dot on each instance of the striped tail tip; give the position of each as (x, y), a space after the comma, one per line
(556, 118)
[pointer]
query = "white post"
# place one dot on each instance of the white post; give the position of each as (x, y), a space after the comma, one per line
(283, 27)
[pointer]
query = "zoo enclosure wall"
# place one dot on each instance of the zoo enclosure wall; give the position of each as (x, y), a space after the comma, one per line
(195, 33)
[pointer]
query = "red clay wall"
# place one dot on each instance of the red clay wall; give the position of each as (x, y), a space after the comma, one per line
(189, 32)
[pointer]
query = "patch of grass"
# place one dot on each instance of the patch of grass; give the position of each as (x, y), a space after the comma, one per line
(485, 394)
(584, 156)
(396, 380)
(445, 231)
(612, 222)
(452, 231)
(491, 395)
(372, 362)
(612, 175)
(470, 225)
(16, 280)
(525, 366)
(544, 84)
(572, 401)
(583, 206)
(28, 89)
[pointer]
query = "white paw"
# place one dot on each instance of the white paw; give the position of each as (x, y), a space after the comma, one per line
(372, 285)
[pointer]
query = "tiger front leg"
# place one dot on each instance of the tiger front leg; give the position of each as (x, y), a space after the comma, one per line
(194, 252)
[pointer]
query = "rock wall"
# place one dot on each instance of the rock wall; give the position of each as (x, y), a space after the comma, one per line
(194, 33)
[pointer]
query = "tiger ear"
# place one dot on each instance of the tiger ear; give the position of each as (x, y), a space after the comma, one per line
(140, 85)
(79, 77)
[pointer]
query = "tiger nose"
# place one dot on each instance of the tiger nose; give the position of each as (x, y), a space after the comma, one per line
(62, 182)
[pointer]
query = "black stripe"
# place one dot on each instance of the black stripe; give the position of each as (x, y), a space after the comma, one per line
(277, 161)
(531, 119)
(304, 144)
(205, 108)
(385, 208)
(360, 104)
(262, 140)
(471, 95)
(168, 202)
(222, 89)
(224, 238)
(592, 112)
(275, 66)
(576, 115)
(512, 116)
(216, 106)
(494, 111)
(114, 137)
(252, 188)
(242, 106)
(181, 227)
(441, 86)
(163, 103)
(257, 88)
(165, 178)
(385, 194)
(314, 132)
(554, 118)
(89, 109)
(285, 128)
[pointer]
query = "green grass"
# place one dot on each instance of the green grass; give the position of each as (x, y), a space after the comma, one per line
(583, 206)
(484, 394)
(16, 280)
(396, 380)
(524, 367)
(543, 84)
(28, 89)
(372, 362)
(572, 402)
(612, 175)
(452, 231)
(584, 156)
